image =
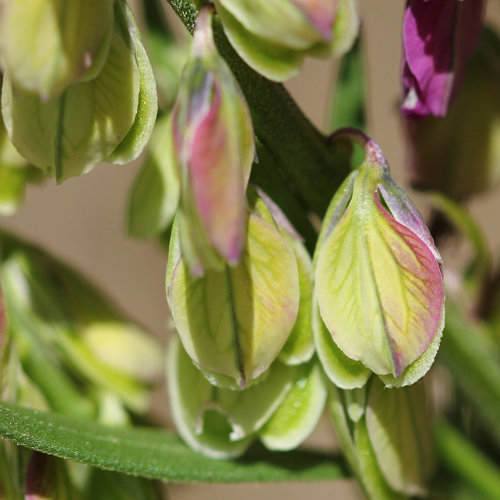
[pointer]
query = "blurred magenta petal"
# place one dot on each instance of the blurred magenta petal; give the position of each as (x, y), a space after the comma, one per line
(438, 38)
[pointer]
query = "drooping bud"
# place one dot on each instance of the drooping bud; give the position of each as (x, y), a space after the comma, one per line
(385, 434)
(448, 154)
(109, 117)
(379, 284)
(233, 323)
(274, 37)
(214, 149)
(281, 410)
(438, 39)
(398, 426)
(46, 46)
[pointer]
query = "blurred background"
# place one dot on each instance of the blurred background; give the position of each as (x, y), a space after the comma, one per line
(83, 221)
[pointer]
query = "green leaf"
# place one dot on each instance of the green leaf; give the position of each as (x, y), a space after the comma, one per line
(155, 453)
(349, 99)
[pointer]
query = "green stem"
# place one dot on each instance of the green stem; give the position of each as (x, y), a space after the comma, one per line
(466, 461)
(299, 149)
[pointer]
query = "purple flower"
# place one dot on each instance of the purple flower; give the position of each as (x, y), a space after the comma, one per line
(438, 38)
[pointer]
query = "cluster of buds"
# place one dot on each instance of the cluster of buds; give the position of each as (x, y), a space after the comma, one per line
(378, 317)
(82, 97)
(249, 306)
(247, 331)
(274, 37)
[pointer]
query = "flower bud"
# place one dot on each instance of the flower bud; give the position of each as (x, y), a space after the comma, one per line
(450, 155)
(109, 117)
(46, 46)
(438, 39)
(397, 421)
(233, 323)
(281, 409)
(379, 287)
(274, 37)
(214, 149)
(385, 434)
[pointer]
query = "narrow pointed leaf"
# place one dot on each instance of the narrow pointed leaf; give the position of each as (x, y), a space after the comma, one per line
(154, 453)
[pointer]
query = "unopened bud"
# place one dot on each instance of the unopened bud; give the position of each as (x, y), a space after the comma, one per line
(379, 284)
(274, 37)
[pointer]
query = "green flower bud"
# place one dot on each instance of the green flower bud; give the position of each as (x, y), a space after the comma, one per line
(109, 117)
(281, 409)
(379, 287)
(47, 45)
(234, 323)
(450, 155)
(274, 37)
(214, 149)
(386, 436)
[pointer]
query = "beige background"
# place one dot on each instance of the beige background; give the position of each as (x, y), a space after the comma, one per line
(82, 221)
